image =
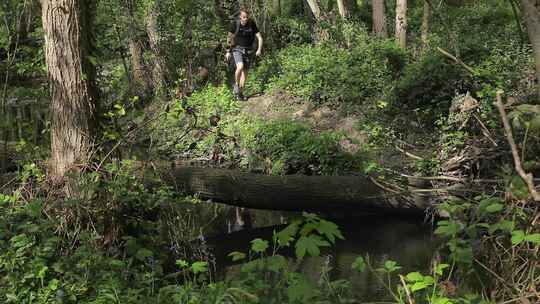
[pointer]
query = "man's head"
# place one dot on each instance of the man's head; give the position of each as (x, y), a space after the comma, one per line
(244, 16)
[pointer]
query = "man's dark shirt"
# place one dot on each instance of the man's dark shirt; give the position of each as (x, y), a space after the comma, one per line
(246, 33)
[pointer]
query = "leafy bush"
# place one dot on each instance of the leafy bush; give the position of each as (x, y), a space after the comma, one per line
(293, 148)
(431, 83)
(189, 119)
(290, 31)
(325, 73)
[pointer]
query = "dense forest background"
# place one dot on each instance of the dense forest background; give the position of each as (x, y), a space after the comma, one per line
(434, 101)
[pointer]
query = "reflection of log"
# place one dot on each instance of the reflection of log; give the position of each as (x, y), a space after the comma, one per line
(291, 193)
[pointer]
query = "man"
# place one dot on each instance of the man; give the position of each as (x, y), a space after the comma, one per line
(241, 36)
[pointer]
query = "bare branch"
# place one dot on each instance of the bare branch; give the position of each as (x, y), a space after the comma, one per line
(527, 177)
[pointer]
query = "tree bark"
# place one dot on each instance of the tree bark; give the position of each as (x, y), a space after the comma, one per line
(315, 8)
(276, 8)
(289, 193)
(531, 12)
(401, 23)
(425, 24)
(139, 74)
(320, 34)
(160, 72)
(67, 25)
(379, 19)
(343, 9)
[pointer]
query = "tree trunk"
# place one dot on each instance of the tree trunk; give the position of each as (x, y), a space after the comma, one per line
(379, 19)
(67, 26)
(320, 34)
(315, 9)
(343, 9)
(425, 24)
(401, 23)
(531, 12)
(160, 71)
(139, 74)
(276, 8)
(289, 193)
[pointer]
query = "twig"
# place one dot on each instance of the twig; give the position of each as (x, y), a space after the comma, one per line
(521, 297)
(407, 292)
(527, 177)
(409, 154)
(458, 61)
(485, 131)
(503, 281)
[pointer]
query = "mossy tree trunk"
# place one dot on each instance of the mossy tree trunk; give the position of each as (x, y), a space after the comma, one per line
(291, 192)
(67, 25)
(531, 13)
(343, 8)
(140, 82)
(379, 19)
(160, 73)
(425, 24)
(401, 23)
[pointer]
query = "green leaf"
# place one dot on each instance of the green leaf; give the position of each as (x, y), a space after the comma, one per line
(285, 236)
(259, 245)
(442, 300)
(533, 238)
(429, 280)
(182, 264)
(236, 256)
(440, 269)
(490, 205)
(503, 225)
(359, 264)
(199, 267)
(300, 290)
(329, 230)
(448, 228)
(414, 276)
(518, 236)
(42, 272)
(418, 286)
(276, 263)
(53, 284)
(143, 253)
(391, 266)
(34, 208)
(309, 244)
(494, 208)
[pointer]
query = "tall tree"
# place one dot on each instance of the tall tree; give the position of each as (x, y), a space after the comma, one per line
(401, 23)
(425, 23)
(160, 73)
(67, 25)
(343, 8)
(531, 12)
(140, 84)
(379, 19)
(276, 7)
(315, 8)
(321, 34)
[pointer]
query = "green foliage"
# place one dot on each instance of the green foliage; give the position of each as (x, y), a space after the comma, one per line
(293, 148)
(325, 73)
(430, 84)
(289, 31)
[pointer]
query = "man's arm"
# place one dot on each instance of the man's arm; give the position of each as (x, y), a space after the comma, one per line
(260, 44)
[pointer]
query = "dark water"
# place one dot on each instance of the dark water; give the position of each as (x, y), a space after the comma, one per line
(405, 240)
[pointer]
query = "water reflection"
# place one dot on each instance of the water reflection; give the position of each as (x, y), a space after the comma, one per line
(405, 240)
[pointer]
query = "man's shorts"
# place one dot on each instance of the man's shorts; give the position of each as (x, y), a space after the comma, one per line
(242, 55)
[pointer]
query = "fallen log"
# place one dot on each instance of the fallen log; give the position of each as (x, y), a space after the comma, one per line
(290, 192)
